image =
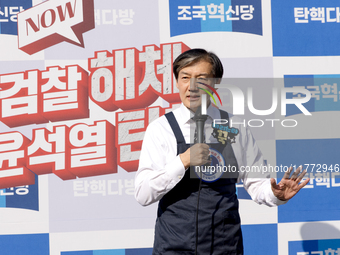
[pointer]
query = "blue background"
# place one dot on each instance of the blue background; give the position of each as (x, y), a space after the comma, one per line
(11, 27)
(303, 39)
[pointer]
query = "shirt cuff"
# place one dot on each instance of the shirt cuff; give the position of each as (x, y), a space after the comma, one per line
(275, 200)
(176, 170)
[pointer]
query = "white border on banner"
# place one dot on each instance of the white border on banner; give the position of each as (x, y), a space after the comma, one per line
(224, 44)
(316, 230)
(101, 240)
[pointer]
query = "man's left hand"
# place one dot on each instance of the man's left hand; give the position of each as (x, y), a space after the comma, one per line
(289, 186)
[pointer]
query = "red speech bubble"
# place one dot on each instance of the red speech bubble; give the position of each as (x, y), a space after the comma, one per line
(54, 21)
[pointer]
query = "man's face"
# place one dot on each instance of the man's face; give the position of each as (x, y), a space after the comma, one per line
(189, 79)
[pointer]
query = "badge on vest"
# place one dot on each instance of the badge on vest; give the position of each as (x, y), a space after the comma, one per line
(224, 134)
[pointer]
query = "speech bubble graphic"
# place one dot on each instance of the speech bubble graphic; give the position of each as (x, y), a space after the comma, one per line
(54, 21)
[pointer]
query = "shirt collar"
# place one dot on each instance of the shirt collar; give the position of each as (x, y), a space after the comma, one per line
(186, 115)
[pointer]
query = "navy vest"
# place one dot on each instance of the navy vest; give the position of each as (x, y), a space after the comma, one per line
(219, 229)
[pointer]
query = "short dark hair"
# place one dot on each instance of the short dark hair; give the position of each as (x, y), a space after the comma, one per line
(193, 56)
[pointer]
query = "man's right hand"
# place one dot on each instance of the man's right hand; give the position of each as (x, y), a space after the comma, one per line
(196, 155)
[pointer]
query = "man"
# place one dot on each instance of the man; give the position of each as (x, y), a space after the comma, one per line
(195, 216)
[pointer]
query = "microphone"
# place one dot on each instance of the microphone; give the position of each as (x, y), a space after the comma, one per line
(200, 119)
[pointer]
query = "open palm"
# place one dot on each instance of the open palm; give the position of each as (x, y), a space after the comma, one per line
(289, 186)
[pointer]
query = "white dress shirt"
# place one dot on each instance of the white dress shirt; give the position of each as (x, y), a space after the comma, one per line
(160, 169)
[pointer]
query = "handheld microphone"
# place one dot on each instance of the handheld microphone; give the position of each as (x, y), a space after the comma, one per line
(200, 119)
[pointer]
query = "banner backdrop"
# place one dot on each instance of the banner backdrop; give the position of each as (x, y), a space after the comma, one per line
(80, 80)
